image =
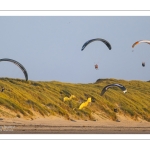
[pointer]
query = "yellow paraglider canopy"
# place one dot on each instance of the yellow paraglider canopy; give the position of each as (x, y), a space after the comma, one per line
(85, 104)
(69, 98)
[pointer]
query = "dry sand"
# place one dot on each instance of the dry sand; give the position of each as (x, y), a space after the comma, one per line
(57, 125)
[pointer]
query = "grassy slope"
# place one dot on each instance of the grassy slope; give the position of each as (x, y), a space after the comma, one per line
(32, 98)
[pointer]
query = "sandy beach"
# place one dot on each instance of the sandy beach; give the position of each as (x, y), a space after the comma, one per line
(57, 125)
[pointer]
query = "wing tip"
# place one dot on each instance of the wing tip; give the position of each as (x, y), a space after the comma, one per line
(135, 44)
(124, 91)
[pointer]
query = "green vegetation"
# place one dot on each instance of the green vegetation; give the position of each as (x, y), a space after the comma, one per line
(29, 99)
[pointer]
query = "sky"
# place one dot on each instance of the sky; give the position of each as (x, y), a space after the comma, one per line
(49, 47)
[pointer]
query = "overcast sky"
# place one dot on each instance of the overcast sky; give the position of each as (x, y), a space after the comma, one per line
(49, 47)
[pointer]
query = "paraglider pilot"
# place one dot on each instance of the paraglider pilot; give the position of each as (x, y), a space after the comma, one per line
(143, 64)
(2, 89)
(96, 66)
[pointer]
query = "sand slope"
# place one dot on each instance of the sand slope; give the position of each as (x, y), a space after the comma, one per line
(58, 125)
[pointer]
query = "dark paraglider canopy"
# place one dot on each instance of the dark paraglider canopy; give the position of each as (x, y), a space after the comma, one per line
(96, 39)
(18, 64)
(113, 85)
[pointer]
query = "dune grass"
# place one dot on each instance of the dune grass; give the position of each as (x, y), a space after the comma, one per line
(45, 98)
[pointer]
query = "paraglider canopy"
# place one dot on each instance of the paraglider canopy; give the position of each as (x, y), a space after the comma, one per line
(85, 104)
(108, 45)
(140, 41)
(18, 64)
(113, 85)
(96, 39)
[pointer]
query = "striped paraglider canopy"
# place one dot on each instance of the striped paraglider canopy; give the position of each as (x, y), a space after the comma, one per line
(18, 64)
